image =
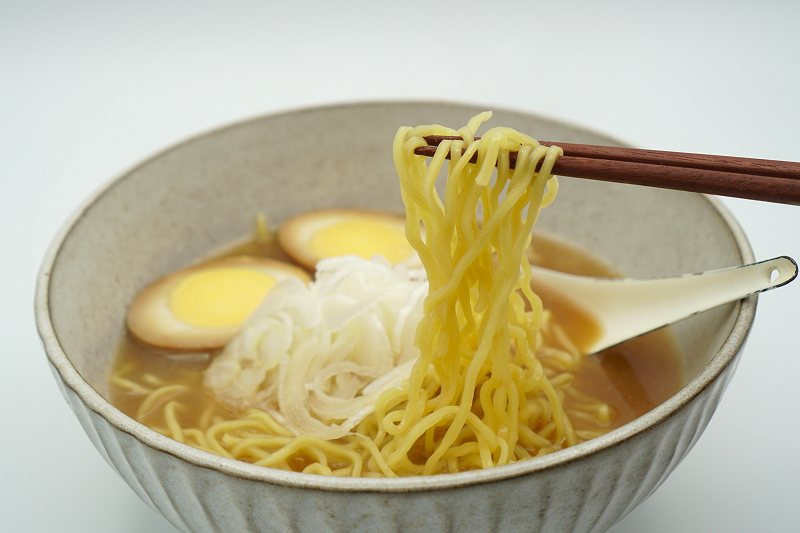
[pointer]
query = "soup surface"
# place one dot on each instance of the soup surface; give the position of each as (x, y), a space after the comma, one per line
(631, 378)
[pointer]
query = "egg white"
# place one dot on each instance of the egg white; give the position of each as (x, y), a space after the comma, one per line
(151, 320)
(295, 235)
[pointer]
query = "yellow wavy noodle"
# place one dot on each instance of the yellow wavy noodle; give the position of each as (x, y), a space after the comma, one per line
(494, 370)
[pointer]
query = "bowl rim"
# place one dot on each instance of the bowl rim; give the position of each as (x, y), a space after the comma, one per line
(93, 400)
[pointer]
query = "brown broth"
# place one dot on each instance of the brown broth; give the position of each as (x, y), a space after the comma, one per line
(632, 377)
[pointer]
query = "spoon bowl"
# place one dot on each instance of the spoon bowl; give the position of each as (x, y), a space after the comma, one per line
(627, 308)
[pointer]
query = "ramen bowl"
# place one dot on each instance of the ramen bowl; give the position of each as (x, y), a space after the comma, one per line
(202, 194)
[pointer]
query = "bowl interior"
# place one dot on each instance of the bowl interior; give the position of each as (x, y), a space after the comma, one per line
(205, 193)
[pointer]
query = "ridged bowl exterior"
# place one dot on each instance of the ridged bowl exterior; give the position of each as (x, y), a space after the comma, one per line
(585, 488)
(588, 494)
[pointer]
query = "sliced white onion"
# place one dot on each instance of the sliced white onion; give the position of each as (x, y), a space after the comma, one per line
(319, 356)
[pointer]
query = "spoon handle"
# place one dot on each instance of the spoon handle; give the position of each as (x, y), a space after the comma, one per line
(627, 308)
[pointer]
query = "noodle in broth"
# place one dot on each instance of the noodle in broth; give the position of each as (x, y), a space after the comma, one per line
(498, 378)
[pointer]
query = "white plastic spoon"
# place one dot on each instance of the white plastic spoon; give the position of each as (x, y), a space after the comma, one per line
(627, 308)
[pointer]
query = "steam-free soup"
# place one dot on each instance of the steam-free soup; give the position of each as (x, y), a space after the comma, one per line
(631, 378)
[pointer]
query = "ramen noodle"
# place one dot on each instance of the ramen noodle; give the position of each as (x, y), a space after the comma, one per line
(376, 369)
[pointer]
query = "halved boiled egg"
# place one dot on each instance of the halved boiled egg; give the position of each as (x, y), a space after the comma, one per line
(316, 235)
(203, 307)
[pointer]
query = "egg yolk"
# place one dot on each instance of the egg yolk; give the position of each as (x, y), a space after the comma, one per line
(219, 297)
(364, 238)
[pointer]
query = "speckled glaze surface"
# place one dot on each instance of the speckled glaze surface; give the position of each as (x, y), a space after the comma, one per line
(199, 195)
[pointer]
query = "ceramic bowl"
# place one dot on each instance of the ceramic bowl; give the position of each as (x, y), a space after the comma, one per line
(203, 193)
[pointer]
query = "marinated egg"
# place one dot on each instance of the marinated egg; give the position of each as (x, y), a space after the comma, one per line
(316, 235)
(203, 307)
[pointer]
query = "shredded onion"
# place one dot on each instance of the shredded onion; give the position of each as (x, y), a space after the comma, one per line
(320, 355)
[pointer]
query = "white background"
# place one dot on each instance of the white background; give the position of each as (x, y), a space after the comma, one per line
(87, 89)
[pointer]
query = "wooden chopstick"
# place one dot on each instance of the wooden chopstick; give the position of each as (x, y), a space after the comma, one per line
(755, 179)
